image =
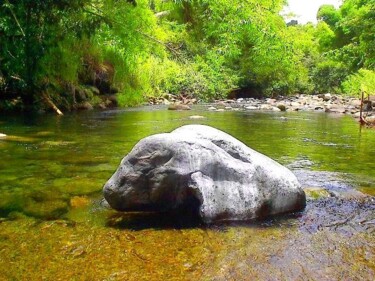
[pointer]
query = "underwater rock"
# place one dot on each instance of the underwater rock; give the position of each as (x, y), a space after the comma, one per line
(177, 106)
(51, 209)
(79, 187)
(44, 204)
(79, 201)
(341, 215)
(201, 168)
(282, 107)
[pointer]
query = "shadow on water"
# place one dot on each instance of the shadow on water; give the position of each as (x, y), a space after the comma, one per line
(156, 221)
(137, 221)
(344, 215)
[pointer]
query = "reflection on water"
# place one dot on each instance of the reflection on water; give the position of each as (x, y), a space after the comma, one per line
(52, 170)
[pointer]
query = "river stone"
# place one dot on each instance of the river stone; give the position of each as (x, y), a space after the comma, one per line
(199, 167)
(177, 106)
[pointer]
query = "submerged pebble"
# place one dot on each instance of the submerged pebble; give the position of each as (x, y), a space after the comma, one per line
(196, 117)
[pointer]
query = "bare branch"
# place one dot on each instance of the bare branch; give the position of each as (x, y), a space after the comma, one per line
(162, 14)
(51, 104)
(15, 18)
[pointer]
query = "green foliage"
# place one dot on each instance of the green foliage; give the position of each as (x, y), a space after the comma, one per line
(127, 43)
(326, 37)
(328, 76)
(358, 26)
(196, 48)
(329, 15)
(250, 47)
(130, 97)
(362, 81)
(346, 43)
(31, 31)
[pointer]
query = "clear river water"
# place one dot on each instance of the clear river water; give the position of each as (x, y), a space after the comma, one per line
(53, 226)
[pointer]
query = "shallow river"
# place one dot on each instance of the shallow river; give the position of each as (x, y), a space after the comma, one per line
(53, 227)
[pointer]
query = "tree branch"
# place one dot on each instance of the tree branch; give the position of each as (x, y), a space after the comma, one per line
(51, 104)
(15, 18)
(162, 14)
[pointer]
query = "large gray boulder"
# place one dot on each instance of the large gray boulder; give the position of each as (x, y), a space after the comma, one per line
(200, 167)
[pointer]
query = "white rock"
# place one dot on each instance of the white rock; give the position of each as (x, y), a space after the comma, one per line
(327, 97)
(251, 107)
(356, 103)
(271, 101)
(295, 104)
(196, 117)
(200, 167)
(265, 107)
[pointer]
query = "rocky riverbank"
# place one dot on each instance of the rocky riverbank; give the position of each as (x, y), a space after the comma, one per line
(325, 103)
(335, 104)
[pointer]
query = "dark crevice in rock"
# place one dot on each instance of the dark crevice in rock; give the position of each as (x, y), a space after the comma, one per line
(265, 210)
(191, 204)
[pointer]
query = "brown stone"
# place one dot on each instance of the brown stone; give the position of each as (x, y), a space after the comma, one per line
(176, 106)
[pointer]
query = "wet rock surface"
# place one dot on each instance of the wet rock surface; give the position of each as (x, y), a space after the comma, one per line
(199, 167)
(334, 203)
(345, 216)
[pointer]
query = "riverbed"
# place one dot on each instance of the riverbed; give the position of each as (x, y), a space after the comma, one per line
(54, 227)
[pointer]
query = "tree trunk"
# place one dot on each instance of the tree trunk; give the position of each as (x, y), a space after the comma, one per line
(51, 104)
(361, 119)
(28, 95)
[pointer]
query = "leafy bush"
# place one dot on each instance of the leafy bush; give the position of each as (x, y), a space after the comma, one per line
(130, 97)
(362, 81)
(328, 76)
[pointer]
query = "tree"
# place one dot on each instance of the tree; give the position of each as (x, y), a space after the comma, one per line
(329, 15)
(346, 43)
(238, 44)
(29, 30)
